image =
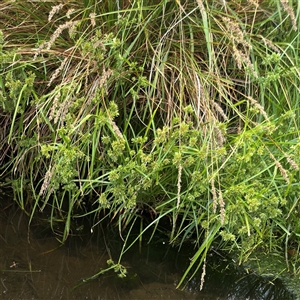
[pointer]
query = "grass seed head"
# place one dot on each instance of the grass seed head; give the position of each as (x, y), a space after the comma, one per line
(55, 9)
(290, 12)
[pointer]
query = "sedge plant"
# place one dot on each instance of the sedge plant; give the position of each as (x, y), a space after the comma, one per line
(156, 110)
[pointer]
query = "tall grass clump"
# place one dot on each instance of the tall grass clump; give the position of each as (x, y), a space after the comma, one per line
(164, 112)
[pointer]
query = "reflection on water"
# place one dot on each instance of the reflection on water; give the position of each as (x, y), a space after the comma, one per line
(42, 269)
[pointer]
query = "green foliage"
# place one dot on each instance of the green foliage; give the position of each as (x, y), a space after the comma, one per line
(179, 111)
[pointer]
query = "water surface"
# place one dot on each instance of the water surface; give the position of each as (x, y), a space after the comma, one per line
(34, 265)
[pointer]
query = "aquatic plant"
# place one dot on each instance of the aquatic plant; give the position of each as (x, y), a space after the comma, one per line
(181, 114)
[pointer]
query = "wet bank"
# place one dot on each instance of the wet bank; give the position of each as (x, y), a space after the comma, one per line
(35, 266)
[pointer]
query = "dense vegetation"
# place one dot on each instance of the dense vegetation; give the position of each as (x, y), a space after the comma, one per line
(147, 111)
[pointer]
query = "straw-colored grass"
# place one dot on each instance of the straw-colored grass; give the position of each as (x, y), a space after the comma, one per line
(167, 110)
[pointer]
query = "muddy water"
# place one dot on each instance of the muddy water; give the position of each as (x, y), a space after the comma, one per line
(34, 265)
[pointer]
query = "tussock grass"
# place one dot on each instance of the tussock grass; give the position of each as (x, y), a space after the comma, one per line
(185, 111)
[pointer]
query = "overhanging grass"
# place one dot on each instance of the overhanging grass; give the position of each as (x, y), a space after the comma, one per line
(166, 109)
